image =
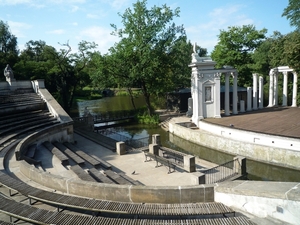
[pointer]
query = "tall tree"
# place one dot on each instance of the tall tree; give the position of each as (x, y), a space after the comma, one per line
(8, 47)
(291, 51)
(292, 13)
(235, 48)
(149, 37)
(36, 61)
(69, 71)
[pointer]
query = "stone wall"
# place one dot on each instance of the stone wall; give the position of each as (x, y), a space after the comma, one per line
(278, 200)
(123, 193)
(265, 148)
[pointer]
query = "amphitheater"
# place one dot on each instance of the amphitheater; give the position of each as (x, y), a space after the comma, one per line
(51, 175)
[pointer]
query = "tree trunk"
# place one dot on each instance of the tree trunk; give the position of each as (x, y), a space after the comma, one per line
(131, 98)
(147, 99)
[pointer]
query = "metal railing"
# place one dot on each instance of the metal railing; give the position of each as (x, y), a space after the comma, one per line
(220, 173)
(114, 116)
(134, 143)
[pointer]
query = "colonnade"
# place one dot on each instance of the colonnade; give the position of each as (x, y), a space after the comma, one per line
(273, 87)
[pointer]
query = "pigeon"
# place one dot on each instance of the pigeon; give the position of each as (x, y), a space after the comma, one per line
(133, 172)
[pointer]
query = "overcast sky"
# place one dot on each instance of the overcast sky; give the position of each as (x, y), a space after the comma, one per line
(59, 21)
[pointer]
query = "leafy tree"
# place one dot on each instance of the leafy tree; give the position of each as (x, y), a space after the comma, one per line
(148, 41)
(291, 51)
(235, 48)
(8, 47)
(292, 13)
(69, 71)
(36, 61)
(269, 54)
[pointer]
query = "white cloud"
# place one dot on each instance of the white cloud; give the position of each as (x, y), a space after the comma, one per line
(58, 31)
(65, 1)
(100, 36)
(74, 8)
(18, 28)
(92, 16)
(206, 32)
(117, 4)
(14, 2)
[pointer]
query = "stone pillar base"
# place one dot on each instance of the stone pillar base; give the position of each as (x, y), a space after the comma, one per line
(189, 163)
(240, 165)
(121, 148)
(198, 178)
(242, 106)
(154, 149)
(156, 139)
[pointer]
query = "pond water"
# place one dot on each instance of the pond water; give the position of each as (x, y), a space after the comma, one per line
(107, 104)
(256, 170)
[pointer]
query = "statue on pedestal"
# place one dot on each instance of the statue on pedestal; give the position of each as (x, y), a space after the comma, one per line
(8, 73)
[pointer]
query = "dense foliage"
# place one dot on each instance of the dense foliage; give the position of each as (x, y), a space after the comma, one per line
(154, 51)
(292, 13)
(152, 55)
(235, 48)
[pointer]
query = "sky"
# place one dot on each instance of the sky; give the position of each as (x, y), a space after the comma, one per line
(60, 21)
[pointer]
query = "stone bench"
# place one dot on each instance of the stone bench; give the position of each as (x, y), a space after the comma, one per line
(176, 155)
(160, 161)
(116, 177)
(94, 162)
(77, 159)
(100, 177)
(55, 151)
(82, 174)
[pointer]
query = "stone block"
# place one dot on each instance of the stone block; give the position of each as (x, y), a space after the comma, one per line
(154, 149)
(189, 163)
(198, 178)
(156, 139)
(121, 148)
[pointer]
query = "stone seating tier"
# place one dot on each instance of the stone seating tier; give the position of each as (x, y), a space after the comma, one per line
(126, 208)
(41, 216)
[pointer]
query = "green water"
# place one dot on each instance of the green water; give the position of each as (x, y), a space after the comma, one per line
(107, 104)
(256, 170)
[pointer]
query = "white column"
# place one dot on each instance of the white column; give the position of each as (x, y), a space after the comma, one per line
(284, 94)
(200, 100)
(234, 94)
(227, 101)
(271, 89)
(261, 92)
(254, 78)
(276, 89)
(249, 98)
(295, 90)
(216, 95)
(195, 91)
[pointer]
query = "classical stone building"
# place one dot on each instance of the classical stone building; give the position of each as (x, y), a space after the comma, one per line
(205, 89)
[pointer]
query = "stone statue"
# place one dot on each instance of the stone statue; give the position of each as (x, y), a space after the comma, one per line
(8, 73)
(194, 48)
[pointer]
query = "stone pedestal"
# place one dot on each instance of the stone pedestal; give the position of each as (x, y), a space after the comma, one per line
(121, 148)
(249, 99)
(189, 113)
(240, 165)
(198, 178)
(154, 149)
(242, 106)
(189, 163)
(156, 139)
